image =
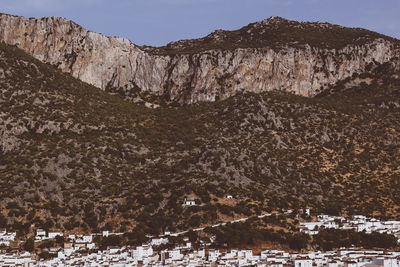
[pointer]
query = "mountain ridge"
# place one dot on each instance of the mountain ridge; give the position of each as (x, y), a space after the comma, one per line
(267, 27)
(143, 74)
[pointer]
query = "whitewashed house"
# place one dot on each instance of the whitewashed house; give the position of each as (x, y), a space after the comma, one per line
(40, 235)
(8, 236)
(307, 212)
(175, 254)
(91, 245)
(159, 241)
(311, 225)
(87, 238)
(350, 264)
(332, 263)
(105, 233)
(55, 234)
(274, 264)
(189, 201)
(141, 252)
(213, 254)
(385, 262)
(245, 254)
(303, 262)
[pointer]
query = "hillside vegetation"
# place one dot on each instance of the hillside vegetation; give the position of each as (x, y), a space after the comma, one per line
(73, 157)
(276, 33)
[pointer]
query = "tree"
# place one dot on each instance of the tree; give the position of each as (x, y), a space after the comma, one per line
(136, 237)
(112, 240)
(195, 220)
(60, 239)
(298, 241)
(3, 221)
(193, 236)
(175, 240)
(29, 245)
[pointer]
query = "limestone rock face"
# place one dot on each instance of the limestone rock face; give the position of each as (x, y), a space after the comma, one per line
(117, 64)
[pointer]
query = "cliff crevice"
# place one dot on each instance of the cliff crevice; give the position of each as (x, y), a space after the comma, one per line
(301, 67)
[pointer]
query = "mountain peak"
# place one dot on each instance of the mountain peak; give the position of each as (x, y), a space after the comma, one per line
(273, 19)
(275, 32)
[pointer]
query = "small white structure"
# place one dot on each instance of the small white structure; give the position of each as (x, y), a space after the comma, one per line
(141, 252)
(4, 242)
(8, 236)
(201, 253)
(55, 234)
(87, 238)
(91, 245)
(303, 262)
(350, 264)
(307, 212)
(159, 241)
(332, 263)
(311, 225)
(385, 262)
(272, 264)
(245, 254)
(189, 201)
(229, 197)
(175, 254)
(40, 235)
(213, 254)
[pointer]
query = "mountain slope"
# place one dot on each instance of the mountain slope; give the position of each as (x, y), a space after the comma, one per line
(276, 33)
(274, 54)
(74, 157)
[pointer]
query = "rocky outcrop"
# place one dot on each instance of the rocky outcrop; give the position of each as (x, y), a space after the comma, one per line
(117, 64)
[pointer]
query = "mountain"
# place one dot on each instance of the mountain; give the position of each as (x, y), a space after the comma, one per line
(275, 54)
(75, 158)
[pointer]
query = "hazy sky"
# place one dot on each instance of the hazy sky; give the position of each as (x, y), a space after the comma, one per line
(157, 22)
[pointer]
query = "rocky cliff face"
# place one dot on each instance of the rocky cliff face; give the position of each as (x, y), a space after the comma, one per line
(206, 74)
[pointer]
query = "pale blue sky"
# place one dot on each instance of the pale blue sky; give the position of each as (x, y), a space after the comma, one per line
(157, 22)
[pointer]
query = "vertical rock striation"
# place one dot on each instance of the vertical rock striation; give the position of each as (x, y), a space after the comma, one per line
(205, 74)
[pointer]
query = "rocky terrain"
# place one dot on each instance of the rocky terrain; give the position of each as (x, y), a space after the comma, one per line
(75, 158)
(275, 54)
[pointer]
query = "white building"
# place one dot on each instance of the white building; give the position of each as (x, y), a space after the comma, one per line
(40, 235)
(384, 262)
(159, 241)
(303, 262)
(350, 264)
(175, 254)
(189, 201)
(87, 238)
(55, 234)
(140, 252)
(8, 236)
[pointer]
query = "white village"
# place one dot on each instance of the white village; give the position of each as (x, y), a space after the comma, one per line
(81, 250)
